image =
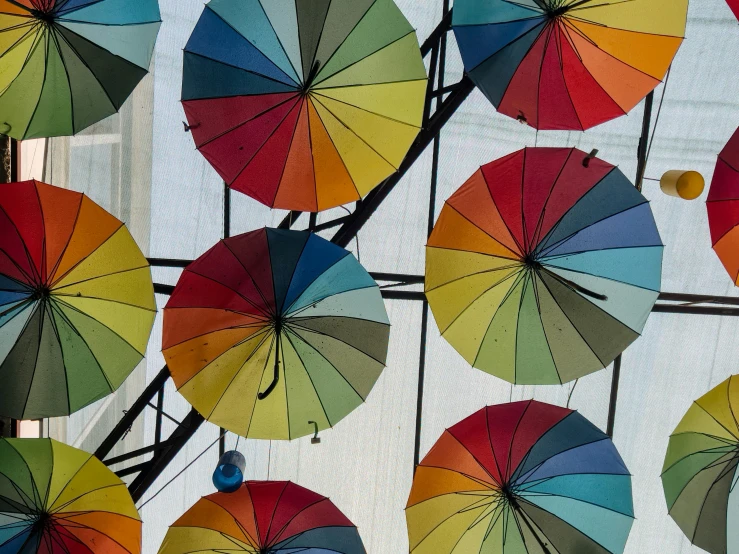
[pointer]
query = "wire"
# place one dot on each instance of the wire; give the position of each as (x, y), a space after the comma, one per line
(238, 437)
(356, 235)
(569, 397)
(168, 483)
(269, 459)
(656, 120)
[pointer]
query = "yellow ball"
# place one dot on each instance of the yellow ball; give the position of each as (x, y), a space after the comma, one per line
(687, 185)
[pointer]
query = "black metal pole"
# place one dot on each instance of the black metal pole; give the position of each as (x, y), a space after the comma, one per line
(614, 396)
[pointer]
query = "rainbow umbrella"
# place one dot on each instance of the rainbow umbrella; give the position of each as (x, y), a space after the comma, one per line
(543, 266)
(734, 5)
(76, 301)
(567, 64)
(525, 477)
(66, 64)
(699, 475)
(723, 207)
(55, 499)
(278, 517)
(303, 105)
(273, 332)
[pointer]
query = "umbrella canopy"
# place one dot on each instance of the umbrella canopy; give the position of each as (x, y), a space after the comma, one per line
(303, 105)
(66, 64)
(55, 499)
(723, 207)
(699, 474)
(76, 301)
(519, 478)
(540, 270)
(734, 5)
(272, 332)
(264, 517)
(567, 64)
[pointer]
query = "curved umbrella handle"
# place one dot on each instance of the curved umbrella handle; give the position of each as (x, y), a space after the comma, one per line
(276, 378)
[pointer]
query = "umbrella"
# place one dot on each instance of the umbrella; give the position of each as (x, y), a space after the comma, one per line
(274, 334)
(55, 499)
(525, 477)
(66, 64)
(303, 105)
(76, 301)
(567, 64)
(263, 516)
(734, 5)
(723, 207)
(699, 474)
(540, 270)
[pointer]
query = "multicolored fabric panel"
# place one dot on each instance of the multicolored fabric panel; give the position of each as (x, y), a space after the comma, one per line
(723, 207)
(568, 64)
(235, 304)
(540, 270)
(279, 517)
(76, 301)
(524, 477)
(66, 64)
(55, 499)
(303, 105)
(699, 475)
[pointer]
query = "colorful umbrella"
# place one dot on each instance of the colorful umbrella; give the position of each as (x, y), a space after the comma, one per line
(55, 499)
(541, 270)
(723, 207)
(263, 516)
(303, 105)
(66, 64)
(272, 332)
(734, 5)
(517, 478)
(76, 301)
(699, 475)
(567, 64)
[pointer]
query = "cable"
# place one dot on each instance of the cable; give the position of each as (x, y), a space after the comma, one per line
(168, 483)
(656, 120)
(569, 397)
(356, 235)
(269, 459)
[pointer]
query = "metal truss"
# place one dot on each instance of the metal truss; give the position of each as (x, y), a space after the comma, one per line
(442, 101)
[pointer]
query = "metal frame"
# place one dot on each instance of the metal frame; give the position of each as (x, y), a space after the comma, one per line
(442, 101)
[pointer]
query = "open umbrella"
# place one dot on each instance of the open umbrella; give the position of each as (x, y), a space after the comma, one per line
(520, 478)
(66, 64)
(275, 517)
(723, 207)
(274, 334)
(55, 499)
(543, 266)
(76, 301)
(567, 64)
(734, 5)
(303, 105)
(699, 474)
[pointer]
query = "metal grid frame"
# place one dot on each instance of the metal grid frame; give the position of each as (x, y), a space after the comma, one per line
(441, 103)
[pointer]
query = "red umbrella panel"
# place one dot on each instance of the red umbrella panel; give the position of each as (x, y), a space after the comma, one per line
(723, 207)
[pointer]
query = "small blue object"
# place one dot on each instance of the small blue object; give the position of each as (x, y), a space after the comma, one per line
(229, 474)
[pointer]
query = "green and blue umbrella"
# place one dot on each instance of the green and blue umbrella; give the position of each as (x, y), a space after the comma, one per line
(66, 64)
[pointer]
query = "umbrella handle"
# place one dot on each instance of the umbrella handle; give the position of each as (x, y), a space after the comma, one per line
(276, 378)
(578, 288)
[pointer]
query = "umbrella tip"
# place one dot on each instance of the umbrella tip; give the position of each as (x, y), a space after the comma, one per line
(188, 127)
(593, 154)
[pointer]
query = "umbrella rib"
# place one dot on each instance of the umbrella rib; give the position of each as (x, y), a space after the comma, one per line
(539, 224)
(251, 277)
(100, 299)
(52, 271)
(254, 403)
(294, 314)
(440, 523)
(61, 314)
(292, 325)
(332, 365)
(38, 348)
(343, 163)
(518, 277)
(54, 328)
(308, 103)
(342, 69)
(61, 507)
(264, 312)
(572, 324)
(475, 274)
(258, 326)
(73, 308)
(95, 277)
(732, 433)
(289, 521)
(516, 255)
(533, 494)
(31, 278)
(513, 439)
(82, 525)
(730, 404)
(54, 37)
(320, 92)
(298, 74)
(534, 280)
(543, 253)
(521, 250)
(293, 90)
(354, 133)
(287, 312)
(77, 264)
(530, 528)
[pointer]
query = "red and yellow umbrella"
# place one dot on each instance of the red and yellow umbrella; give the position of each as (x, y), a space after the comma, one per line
(723, 207)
